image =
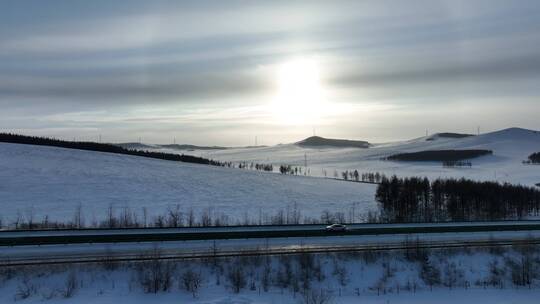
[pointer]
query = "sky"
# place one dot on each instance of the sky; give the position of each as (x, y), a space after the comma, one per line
(227, 72)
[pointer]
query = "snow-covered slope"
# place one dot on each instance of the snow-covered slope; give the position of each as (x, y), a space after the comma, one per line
(37, 181)
(510, 147)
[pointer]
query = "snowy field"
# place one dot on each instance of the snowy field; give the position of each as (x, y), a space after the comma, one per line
(441, 296)
(449, 276)
(45, 181)
(38, 181)
(510, 147)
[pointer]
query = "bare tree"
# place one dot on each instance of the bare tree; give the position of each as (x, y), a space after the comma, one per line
(70, 286)
(78, 221)
(317, 297)
(429, 273)
(237, 277)
(145, 216)
(30, 217)
(111, 222)
(191, 218)
(175, 217)
(191, 281)
(156, 274)
(267, 270)
(206, 218)
(26, 289)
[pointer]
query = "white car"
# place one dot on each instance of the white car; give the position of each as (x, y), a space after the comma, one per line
(336, 228)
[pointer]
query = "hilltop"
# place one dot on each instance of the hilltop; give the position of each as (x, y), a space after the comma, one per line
(317, 141)
(448, 135)
(510, 148)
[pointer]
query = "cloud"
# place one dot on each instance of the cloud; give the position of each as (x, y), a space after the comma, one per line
(503, 68)
(157, 61)
(126, 89)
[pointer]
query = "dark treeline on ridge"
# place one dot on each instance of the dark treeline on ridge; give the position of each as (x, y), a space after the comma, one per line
(448, 135)
(419, 200)
(317, 141)
(456, 163)
(535, 158)
(93, 146)
(439, 155)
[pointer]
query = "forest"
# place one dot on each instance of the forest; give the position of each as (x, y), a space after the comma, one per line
(416, 199)
(535, 158)
(439, 155)
(101, 147)
(448, 135)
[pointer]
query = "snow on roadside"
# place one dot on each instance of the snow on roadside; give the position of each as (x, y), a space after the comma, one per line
(376, 277)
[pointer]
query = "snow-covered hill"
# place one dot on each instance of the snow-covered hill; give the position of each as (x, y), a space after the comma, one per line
(510, 147)
(38, 181)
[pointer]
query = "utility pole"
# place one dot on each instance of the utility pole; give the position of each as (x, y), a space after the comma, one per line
(174, 141)
(255, 140)
(99, 138)
(478, 130)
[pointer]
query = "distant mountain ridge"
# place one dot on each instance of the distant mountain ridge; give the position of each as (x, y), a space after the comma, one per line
(192, 147)
(317, 141)
(448, 135)
(134, 145)
(182, 147)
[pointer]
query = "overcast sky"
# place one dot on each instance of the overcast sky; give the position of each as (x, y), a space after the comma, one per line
(208, 72)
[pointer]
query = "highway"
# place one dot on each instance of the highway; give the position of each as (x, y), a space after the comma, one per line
(130, 251)
(50, 237)
(99, 245)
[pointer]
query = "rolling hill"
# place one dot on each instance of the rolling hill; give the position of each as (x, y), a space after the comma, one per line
(510, 147)
(39, 181)
(317, 141)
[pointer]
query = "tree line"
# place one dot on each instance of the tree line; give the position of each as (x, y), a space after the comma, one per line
(101, 147)
(456, 163)
(256, 166)
(417, 199)
(293, 170)
(176, 216)
(368, 177)
(535, 158)
(439, 155)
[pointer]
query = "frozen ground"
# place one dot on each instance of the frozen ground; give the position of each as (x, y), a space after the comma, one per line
(38, 181)
(510, 147)
(441, 296)
(372, 278)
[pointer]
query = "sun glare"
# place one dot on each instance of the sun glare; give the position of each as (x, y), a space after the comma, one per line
(299, 98)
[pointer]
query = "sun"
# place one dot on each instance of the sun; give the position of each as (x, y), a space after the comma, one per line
(299, 98)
